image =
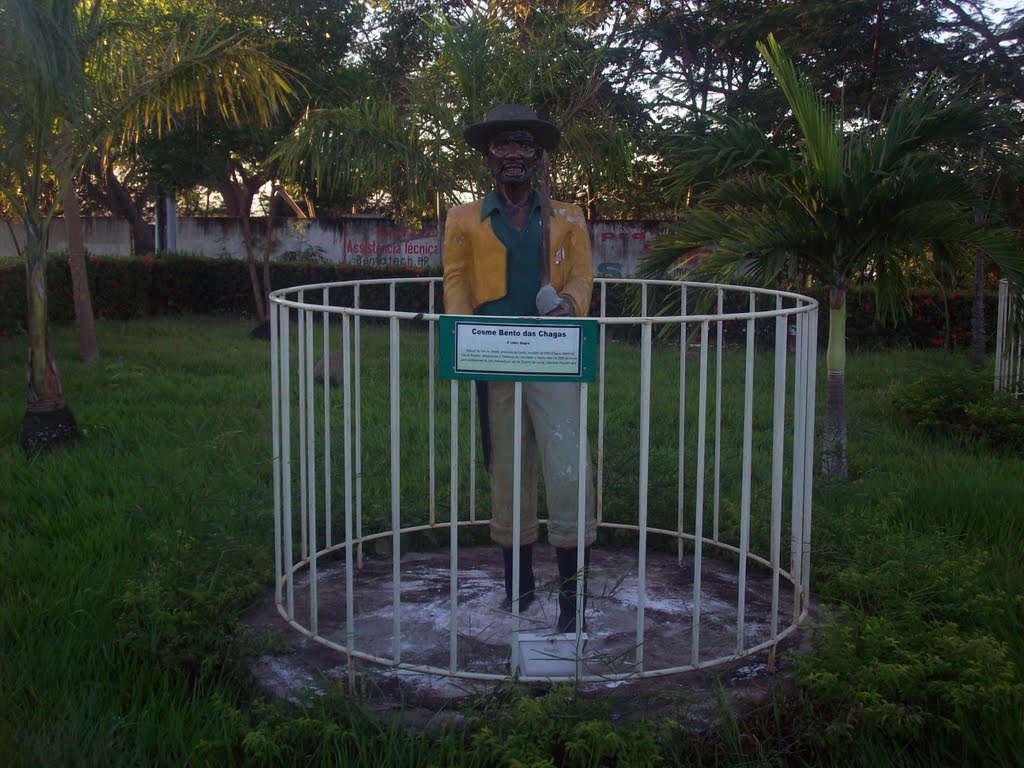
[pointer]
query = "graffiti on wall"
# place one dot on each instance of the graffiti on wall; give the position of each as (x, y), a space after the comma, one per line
(620, 246)
(391, 244)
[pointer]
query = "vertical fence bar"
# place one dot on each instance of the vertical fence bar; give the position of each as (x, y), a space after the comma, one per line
(328, 373)
(698, 519)
(286, 459)
(275, 430)
(300, 326)
(1010, 354)
(645, 448)
(581, 522)
(778, 453)
(453, 576)
(396, 496)
(517, 479)
(748, 431)
(799, 414)
(314, 613)
(718, 415)
(346, 365)
(472, 451)
(430, 426)
(812, 356)
(1013, 338)
(599, 489)
(1001, 315)
(681, 470)
(357, 450)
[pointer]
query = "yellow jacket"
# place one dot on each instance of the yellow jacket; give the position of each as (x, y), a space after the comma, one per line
(474, 258)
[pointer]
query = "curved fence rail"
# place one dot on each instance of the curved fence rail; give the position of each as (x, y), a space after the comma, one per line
(703, 424)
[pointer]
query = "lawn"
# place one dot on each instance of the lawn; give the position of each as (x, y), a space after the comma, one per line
(127, 560)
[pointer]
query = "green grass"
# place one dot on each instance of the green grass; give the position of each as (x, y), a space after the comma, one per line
(126, 561)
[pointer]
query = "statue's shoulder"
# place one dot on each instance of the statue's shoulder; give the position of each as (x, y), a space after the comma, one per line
(467, 212)
(571, 212)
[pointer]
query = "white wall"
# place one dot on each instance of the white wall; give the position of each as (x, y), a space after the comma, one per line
(102, 235)
(618, 246)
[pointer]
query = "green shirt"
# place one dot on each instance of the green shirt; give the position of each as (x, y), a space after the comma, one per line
(522, 261)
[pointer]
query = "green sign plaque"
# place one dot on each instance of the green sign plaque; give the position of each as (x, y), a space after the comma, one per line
(506, 349)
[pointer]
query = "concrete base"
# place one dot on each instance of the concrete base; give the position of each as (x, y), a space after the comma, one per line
(486, 629)
(551, 655)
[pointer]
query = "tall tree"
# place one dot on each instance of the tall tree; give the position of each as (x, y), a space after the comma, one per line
(699, 57)
(399, 150)
(993, 57)
(842, 203)
(58, 104)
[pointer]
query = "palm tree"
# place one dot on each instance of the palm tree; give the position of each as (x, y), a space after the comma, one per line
(73, 74)
(840, 204)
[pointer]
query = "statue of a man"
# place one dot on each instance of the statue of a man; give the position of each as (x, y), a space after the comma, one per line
(494, 265)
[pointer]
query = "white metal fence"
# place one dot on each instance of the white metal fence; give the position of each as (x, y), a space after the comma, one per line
(704, 410)
(1009, 370)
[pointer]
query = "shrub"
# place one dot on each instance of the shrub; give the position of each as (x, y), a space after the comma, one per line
(963, 403)
(561, 729)
(900, 678)
(124, 289)
(910, 655)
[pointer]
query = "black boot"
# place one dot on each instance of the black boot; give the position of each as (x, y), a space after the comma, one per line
(527, 584)
(567, 588)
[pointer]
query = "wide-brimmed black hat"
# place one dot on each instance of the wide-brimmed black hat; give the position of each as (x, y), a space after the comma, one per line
(511, 117)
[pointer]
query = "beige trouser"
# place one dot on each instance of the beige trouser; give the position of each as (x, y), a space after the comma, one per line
(550, 420)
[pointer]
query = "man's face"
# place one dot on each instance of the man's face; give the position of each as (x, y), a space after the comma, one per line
(512, 157)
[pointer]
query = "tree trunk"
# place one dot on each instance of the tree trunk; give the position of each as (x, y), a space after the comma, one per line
(104, 188)
(876, 47)
(977, 353)
(238, 201)
(947, 341)
(254, 278)
(48, 421)
(833, 451)
(122, 204)
(88, 349)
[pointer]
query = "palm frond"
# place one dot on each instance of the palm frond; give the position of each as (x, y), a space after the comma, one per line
(729, 147)
(198, 71)
(821, 131)
(360, 150)
(43, 86)
(931, 117)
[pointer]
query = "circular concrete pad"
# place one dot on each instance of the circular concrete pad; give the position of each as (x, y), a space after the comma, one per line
(485, 626)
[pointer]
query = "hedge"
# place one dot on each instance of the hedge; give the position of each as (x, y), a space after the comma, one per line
(127, 288)
(925, 328)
